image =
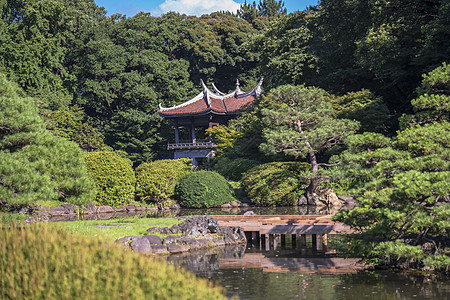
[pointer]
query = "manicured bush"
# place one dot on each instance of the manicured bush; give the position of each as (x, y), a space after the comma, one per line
(234, 168)
(44, 262)
(276, 183)
(156, 180)
(203, 189)
(114, 178)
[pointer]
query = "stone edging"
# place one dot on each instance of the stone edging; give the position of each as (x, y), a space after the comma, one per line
(197, 233)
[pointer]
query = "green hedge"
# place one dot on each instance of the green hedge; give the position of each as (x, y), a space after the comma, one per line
(234, 168)
(156, 180)
(114, 178)
(203, 189)
(276, 183)
(43, 262)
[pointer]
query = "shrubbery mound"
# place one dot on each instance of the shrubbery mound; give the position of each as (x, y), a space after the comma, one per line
(113, 176)
(42, 262)
(234, 168)
(276, 183)
(156, 180)
(203, 189)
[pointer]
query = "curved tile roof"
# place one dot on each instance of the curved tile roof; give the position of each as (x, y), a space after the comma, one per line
(219, 103)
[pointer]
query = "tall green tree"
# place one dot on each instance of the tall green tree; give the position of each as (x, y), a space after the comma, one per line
(34, 163)
(402, 185)
(301, 124)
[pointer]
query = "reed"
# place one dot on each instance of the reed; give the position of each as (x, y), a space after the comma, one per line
(46, 262)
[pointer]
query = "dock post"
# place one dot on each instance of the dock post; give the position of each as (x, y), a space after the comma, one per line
(324, 242)
(254, 239)
(314, 242)
(267, 242)
(303, 241)
(293, 241)
(283, 241)
(271, 241)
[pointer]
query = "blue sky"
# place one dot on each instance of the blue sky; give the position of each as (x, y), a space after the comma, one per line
(189, 7)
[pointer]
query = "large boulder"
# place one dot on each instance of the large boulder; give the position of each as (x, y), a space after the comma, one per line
(141, 245)
(324, 197)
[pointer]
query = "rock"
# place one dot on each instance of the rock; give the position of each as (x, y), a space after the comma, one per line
(174, 229)
(105, 209)
(175, 206)
(245, 205)
(173, 248)
(141, 245)
(226, 205)
(68, 208)
(57, 211)
(236, 203)
(249, 213)
(130, 208)
(153, 239)
(325, 197)
(90, 209)
(199, 226)
(302, 201)
(125, 240)
(168, 240)
(159, 249)
(121, 209)
(140, 209)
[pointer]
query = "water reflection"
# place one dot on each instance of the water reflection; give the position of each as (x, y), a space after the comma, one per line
(304, 274)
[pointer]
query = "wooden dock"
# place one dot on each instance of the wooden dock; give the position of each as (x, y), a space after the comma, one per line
(267, 231)
(285, 224)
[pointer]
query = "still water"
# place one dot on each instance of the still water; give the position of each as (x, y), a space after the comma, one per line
(304, 274)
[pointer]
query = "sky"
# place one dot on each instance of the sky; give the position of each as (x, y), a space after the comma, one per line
(189, 7)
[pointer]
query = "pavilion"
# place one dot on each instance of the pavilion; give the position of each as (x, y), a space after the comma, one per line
(206, 110)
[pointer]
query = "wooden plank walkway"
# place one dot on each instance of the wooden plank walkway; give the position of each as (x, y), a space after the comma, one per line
(285, 224)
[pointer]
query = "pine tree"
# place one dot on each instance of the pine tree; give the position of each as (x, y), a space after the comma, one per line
(35, 164)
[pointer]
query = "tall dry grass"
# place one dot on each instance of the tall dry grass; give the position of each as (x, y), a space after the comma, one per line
(43, 262)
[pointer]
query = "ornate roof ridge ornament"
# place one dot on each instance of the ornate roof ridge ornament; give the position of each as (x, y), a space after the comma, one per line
(216, 90)
(238, 89)
(205, 93)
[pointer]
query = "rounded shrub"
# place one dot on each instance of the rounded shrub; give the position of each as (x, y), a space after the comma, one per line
(203, 189)
(156, 180)
(47, 262)
(114, 178)
(234, 168)
(276, 183)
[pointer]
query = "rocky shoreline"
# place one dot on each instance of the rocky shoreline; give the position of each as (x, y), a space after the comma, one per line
(195, 233)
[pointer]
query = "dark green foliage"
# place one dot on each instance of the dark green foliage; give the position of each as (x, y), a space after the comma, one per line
(433, 101)
(234, 168)
(277, 183)
(203, 189)
(156, 180)
(35, 164)
(69, 126)
(364, 107)
(44, 262)
(114, 178)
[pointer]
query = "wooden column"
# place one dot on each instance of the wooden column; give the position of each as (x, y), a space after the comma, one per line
(193, 133)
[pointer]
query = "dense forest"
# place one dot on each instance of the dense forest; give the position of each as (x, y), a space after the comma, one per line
(108, 73)
(367, 82)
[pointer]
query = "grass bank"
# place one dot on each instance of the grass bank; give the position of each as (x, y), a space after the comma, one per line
(112, 229)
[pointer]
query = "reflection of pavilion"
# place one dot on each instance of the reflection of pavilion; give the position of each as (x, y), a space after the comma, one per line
(207, 109)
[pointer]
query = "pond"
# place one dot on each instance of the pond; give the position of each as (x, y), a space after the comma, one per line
(249, 273)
